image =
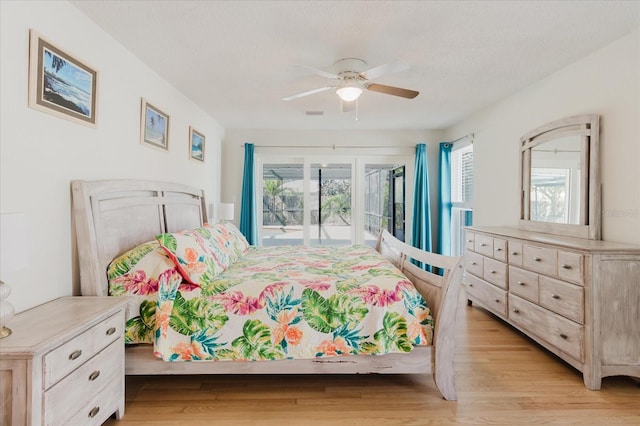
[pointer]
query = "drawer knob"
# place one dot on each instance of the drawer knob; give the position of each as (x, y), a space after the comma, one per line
(473, 263)
(492, 271)
(111, 331)
(555, 296)
(537, 259)
(94, 412)
(94, 375)
(482, 245)
(470, 285)
(498, 249)
(469, 241)
(497, 300)
(565, 266)
(522, 283)
(514, 253)
(516, 310)
(564, 336)
(75, 354)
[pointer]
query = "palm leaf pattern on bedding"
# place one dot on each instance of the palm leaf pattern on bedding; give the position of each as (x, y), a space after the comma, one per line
(294, 302)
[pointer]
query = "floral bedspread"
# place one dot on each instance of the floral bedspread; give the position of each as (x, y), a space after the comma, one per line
(293, 302)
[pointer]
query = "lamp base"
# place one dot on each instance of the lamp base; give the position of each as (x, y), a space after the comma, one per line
(4, 332)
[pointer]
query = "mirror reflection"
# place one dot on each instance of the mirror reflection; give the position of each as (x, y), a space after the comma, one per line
(555, 181)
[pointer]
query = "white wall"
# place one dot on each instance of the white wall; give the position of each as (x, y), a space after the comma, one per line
(40, 153)
(401, 142)
(607, 82)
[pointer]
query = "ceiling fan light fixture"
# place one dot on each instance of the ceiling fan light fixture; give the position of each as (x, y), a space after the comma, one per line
(349, 93)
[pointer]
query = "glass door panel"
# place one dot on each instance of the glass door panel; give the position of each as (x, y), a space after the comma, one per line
(282, 204)
(384, 205)
(330, 204)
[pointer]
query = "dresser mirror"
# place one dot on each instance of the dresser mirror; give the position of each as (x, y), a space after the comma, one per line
(560, 178)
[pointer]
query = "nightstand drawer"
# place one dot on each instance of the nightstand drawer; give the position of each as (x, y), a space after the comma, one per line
(100, 407)
(72, 354)
(74, 392)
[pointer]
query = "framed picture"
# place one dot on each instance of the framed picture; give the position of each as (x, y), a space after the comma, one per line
(60, 84)
(154, 126)
(196, 141)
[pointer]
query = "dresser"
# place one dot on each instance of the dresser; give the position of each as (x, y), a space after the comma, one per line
(578, 298)
(64, 363)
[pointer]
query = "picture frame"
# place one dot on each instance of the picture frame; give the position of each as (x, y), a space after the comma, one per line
(60, 84)
(154, 126)
(196, 145)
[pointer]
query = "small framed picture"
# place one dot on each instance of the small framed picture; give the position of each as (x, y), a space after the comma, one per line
(60, 84)
(197, 144)
(154, 126)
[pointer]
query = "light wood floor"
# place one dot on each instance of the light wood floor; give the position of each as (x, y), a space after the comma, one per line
(502, 378)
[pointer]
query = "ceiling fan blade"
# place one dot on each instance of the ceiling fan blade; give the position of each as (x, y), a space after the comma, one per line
(378, 71)
(307, 93)
(390, 90)
(319, 72)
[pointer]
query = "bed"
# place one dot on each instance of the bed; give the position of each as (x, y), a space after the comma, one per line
(112, 217)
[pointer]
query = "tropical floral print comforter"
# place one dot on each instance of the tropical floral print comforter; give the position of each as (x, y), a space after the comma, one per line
(293, 302)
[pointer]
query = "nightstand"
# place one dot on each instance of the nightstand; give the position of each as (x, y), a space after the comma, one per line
(64, 363)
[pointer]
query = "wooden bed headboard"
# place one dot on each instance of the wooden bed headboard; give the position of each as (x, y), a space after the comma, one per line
(113, 216)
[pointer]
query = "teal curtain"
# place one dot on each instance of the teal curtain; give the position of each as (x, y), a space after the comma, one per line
(421, 229)
(248, 214)
(444, 200)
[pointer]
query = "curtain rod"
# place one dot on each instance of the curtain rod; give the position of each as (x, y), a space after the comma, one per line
(334, 146)
(470, 135)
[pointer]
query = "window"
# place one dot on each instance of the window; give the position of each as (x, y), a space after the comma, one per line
(461, 194)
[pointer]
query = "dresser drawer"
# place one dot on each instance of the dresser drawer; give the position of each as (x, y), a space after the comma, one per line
(523, 283)
(483, 244)
(540, 259)
(565, 335)
(563, 298)
(70, 355)
(500, 249)
(474, 263)
(495, 272)
(489, 295)
(570, 267)
(515, 253)
(469, 240)
(74, 392)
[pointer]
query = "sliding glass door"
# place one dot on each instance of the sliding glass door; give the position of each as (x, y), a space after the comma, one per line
(282, 204)
(330, 204)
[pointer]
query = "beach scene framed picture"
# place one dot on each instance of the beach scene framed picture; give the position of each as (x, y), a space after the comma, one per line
(196, 141)
(154, 126)
(60, 84)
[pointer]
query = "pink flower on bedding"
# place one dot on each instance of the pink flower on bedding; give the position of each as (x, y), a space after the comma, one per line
(376, 296)
(404, 285)
(333, 347)
(366, 267)
(285, 331)
(193, 263)
(137, 283)
(317, 284)
(237, 303)
(415, 332)
(163, 315)
(270, 291)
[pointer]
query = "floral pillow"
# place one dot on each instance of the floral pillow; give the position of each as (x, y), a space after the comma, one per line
(138, 274)
(192, 254)
(227, 241)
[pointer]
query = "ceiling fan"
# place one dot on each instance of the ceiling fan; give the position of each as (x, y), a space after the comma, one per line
(351, 78)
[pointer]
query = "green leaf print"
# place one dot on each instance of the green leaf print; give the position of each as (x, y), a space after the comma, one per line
(124, 264)
(208, 342)
(326, 315)
(219, 285)
(148, 313)
(255, 342)
(393, 333)
(189, 316)
(137, 331)
(210, 274)
(168, 241)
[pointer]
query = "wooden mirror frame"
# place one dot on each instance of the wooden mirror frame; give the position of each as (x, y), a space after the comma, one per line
(588, 127)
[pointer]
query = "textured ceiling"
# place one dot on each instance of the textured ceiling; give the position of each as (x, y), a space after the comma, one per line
(236, 59)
